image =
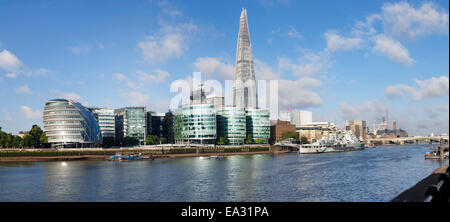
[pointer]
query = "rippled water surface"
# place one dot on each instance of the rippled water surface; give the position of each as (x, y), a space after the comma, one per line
(375, 174)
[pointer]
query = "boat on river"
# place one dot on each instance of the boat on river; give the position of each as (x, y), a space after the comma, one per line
(121, 157)
(333, 143)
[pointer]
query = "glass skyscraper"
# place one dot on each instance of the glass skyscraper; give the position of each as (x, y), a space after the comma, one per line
(258, 124)
(244, 90)
(231, 124)
(195, 123)
(69, 124)
(106, 121)
(130, 122)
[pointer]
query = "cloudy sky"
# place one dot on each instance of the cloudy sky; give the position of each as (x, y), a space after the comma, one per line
(342, 60)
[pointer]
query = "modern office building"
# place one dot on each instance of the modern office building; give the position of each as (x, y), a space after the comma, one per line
(155, 123)
(131, 122)
(258, 124)
(297, 117)
(195, 123)
(244, 89)
(231, 124)
(216, 100)
(106, 121)
(69, 124)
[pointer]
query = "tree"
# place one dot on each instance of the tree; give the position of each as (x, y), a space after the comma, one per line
(130, 141)
(43, 138)
(17, 142)
(109, 141)
(289, 134)
(303, 140)
(151, 140)
(258, 141)
(222, 140)
(249, 139)
(162, 140)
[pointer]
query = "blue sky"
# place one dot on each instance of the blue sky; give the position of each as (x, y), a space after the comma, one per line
(342, 60)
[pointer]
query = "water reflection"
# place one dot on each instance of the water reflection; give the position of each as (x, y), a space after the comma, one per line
(377, 174)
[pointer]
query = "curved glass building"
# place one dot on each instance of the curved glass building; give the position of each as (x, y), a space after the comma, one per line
(69, 124)
(258, 124)
(195, 123)
(231, 124)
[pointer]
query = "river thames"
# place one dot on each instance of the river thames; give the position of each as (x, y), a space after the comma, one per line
(374, 174)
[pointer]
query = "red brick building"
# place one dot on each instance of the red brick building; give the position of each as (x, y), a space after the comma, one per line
(277, 129)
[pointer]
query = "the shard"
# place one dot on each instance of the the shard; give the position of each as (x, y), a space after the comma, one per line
(244, 89)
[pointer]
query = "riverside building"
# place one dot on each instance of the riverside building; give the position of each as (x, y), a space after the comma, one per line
(68, 124)
(258, 124)
(106, 121)
(231, 124)
(131, 122)
(195, 123)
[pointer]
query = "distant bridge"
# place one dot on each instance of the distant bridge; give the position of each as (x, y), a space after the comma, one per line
(407, 140)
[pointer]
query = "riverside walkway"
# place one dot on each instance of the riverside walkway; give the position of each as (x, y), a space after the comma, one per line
(421, 191)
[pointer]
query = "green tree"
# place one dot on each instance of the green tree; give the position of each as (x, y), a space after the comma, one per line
(43, 138)
(28, 141)
(130, 141)
(109, 141)
(249, 139)
(151, 140)
(162, 140)
(258, 141)
(17, 142)
(304, 140)
(35, 134)
(289, 134)
(222, 140)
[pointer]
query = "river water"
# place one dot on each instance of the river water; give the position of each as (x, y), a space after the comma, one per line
(374, 174)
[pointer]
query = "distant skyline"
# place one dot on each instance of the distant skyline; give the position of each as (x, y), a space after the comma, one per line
(341, 60)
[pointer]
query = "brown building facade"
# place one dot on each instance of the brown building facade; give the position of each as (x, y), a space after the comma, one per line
(277, 129)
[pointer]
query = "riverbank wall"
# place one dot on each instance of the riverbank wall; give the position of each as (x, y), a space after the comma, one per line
(417, 193)
(14, 155)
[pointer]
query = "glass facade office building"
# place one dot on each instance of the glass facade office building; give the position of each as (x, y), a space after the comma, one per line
(231, 124)
(258, 124)
(195, 123)
(69, 124)
(106, 121)
(130, 122)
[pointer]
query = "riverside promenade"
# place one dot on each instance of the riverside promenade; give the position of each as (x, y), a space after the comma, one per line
(418, 192)
(157, 151)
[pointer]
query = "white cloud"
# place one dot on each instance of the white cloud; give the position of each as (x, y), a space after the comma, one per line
(11, 75)
(403, 20)
(393, 49)
(9, 61)
(215, 67)
(338, 43)
(296, 95)
(159, 77)
(136, 98)
(42, 72)
(120, 76)
(80, 50)
(23, 89)
(308, 64)
(65, 95)
(427, 89)
(30, 114)
(168, 42)
(368, 110)
(292, 33)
